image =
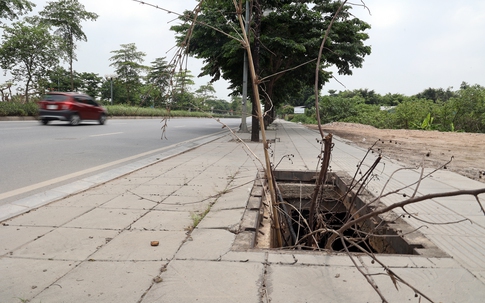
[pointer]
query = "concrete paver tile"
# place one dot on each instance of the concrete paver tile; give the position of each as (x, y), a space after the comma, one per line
(243, 256)
(22, 279)
(188, 204)
(222, 219)
(166, 180)
(196, 191)
(439, 284)
(48, 216)
(107, 218)
(236, 198)
(210, 282)
(206, 244)
(87, 199)
(154, 192)
(66, 244)
(103, 282)
(317, 284)
(9, 210)
(16, 236)
(135, 245)
(129, 201)
(164, 221)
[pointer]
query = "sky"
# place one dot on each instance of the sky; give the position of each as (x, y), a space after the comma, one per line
(415, 44)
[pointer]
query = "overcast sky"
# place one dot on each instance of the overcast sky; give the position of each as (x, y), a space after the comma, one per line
(416, 44)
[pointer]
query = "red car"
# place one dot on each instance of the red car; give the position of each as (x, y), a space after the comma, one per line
(72, 107)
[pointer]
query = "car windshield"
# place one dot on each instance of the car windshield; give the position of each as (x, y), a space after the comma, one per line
(55, 98)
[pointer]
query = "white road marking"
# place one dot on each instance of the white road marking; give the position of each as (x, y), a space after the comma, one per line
(110, 134)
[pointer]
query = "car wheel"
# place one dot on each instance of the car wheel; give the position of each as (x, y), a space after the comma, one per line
(75, 119)
(44, 121)
(102, 119)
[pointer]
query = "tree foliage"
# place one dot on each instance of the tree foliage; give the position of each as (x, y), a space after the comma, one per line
(28, 51)
(288, 44)
(464, 111)
(12, 9)
(127, 63)
(66, 16)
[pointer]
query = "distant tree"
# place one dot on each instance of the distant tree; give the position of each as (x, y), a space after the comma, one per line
(90, 84)
(58, 79)
(206, 91)
(469, 108)
(12, 9)
(183, 81)
(436, 95)
(27, 52)
(66, 16)
(127, 62)
(158, 81)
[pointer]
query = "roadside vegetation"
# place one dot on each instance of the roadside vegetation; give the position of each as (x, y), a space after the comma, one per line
(432, 109)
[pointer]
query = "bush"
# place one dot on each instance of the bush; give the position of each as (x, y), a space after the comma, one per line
(301, 118)
(18, 109)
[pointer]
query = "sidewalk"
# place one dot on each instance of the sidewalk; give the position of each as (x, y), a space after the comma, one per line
(95, 246)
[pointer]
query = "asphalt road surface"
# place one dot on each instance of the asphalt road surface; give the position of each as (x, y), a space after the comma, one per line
(34, 157)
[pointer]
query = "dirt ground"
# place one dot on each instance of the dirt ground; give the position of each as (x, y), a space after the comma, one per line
(412, 146)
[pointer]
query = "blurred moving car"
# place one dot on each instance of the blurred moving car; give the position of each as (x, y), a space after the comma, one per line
(72, 107)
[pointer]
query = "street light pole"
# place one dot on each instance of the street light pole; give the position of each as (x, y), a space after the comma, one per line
(111, 99)
(244, 127)
(111, 77)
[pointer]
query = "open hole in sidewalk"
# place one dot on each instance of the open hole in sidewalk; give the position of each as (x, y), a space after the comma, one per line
(387, 233)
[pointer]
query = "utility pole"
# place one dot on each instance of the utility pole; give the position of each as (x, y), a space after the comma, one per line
(244, 127)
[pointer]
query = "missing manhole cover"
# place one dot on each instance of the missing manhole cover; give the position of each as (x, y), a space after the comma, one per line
(387, 233)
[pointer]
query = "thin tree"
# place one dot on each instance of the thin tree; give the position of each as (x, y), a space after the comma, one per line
(66, 16)
(127, 62)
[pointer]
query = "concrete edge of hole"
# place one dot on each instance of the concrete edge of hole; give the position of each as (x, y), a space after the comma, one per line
(256, 224)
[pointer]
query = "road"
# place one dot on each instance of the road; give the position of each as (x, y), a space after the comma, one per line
(34, 157)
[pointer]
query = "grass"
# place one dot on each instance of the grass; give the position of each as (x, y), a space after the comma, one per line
(30, 109)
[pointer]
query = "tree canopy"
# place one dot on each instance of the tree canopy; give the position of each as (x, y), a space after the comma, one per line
(127, 62)
(286, 40)
(28, 51)
(12, 9)
(66, 16)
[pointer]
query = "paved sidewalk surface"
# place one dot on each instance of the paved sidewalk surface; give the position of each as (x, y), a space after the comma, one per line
(95, 246)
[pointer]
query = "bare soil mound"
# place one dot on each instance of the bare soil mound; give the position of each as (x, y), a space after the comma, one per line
(412, 147)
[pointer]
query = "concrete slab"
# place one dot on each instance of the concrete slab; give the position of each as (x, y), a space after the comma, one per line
(286, 283)
(234, 199)
(154, 192)
(196, 191)
(48, 216)
(164, 221)
(211, 282)
(8, 211)
(206, 244)
(439, 284)
(22, 279)
(107, 218)
(222, 219)
(187, 204)
(168, 180)
(245, 256)
(310, 258)
(15, 236)
(130, 201)
(135, 245)
(103, 282)
(65, 244)
(87, 199)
